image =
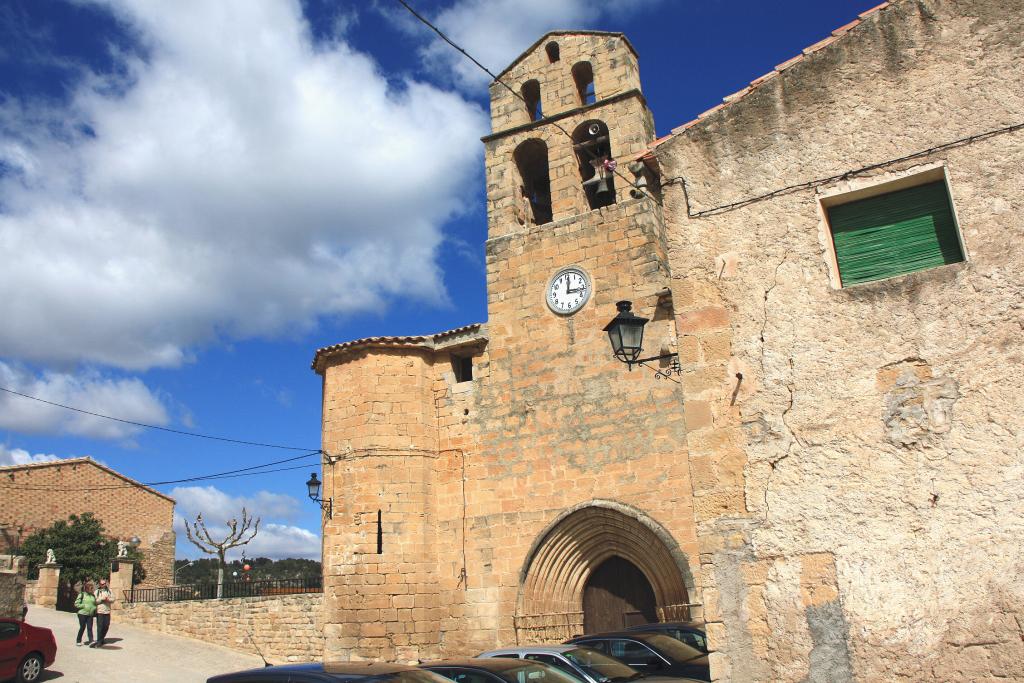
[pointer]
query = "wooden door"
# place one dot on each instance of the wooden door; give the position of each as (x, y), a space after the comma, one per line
(617, 595)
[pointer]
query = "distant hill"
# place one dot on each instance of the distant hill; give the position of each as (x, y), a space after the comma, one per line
(261, 569)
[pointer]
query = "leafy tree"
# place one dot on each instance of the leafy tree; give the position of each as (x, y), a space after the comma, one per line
(81, 547)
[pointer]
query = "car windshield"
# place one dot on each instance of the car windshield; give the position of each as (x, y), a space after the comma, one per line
(672, 648)
(601, 666)
(532, 672)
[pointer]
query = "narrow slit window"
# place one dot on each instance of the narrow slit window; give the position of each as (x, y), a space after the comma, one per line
(531, 94)
(552, 49)
(592, 144)
(462, 366)
(531, 157)
(583, 75)
(380, 534)
(895, 233)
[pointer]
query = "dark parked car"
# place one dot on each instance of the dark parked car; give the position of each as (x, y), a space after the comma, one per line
(652, 653)
(586, 664)
(500, 670)
(25, 650)
(361, 672)
(690, 632)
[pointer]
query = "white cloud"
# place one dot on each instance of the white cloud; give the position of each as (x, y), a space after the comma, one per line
(128, 399)
(274, 538)
(235, 181)
(19, 456)
(496, 31)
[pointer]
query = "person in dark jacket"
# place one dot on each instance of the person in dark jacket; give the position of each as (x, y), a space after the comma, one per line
(104, 598)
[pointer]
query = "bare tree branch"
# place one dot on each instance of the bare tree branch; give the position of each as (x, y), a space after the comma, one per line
(200, 536)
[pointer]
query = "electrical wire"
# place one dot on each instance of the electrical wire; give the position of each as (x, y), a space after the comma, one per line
(615, 171)
(144, 425)
(229, 474)
(680, 180)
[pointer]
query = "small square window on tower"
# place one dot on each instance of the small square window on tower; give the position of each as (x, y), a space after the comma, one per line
(462, 366)
(893, 229)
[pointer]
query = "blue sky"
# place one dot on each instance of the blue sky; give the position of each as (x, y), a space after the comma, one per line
(194, 196)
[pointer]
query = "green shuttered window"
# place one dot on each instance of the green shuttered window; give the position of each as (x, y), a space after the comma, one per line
(896, 233)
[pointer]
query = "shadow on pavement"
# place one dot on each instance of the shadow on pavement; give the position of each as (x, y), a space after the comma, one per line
(49, 675)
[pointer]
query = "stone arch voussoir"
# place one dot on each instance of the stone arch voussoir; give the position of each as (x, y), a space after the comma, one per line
(574, 545)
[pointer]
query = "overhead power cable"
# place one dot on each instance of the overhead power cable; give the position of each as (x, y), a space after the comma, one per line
(181, 432)
(229, 474)
(505, 85)
(809, 184)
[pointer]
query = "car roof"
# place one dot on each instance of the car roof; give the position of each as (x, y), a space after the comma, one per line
(485, 663)
(544, 649)
(636, 635)
(335, 669)
(667, 624)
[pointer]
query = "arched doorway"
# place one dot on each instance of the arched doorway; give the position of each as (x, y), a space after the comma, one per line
(630, 565)
(617, 595)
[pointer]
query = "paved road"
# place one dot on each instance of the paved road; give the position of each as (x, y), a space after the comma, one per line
(133, 655)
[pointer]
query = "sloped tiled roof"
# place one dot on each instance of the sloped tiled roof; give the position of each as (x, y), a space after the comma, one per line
(13, 469)
(427, 341)
(757, 82)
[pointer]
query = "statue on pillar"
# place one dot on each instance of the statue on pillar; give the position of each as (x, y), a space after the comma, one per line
(50, 557)
(122, 549)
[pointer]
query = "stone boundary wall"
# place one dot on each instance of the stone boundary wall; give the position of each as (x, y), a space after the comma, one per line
(287, 628)
(12, 594)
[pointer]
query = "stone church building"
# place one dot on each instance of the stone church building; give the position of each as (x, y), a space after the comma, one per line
(834, 480)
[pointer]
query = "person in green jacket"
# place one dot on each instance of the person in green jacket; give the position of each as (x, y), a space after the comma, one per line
(86, 604)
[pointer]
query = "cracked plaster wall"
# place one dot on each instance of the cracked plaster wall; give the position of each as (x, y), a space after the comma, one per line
(858, 492)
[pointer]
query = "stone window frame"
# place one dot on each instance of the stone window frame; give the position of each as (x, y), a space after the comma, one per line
(874, 186)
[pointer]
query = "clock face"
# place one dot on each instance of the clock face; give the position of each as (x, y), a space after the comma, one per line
(568, 291)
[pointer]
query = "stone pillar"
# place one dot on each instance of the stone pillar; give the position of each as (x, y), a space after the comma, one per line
(48, 585)
(121, 572)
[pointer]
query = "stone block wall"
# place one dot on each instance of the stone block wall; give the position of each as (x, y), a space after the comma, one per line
(630, 129)
(12, 586)
(287, 628)
(613, 63)
(857, 492)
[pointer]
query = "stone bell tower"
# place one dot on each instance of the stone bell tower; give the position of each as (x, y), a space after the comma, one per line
(464, 466)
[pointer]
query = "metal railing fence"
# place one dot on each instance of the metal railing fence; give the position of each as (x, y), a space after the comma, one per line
(232, 589)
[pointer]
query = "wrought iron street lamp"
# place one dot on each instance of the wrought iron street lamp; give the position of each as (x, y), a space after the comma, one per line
(626, 334)
(326, 505)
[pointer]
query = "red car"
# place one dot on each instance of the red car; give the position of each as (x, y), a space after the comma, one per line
(25, 650)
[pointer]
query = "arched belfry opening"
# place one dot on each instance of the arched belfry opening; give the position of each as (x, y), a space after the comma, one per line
(531, 96)
(593, 148)
(600, 566)
(531, 157)
(553, 52)
(583, 76)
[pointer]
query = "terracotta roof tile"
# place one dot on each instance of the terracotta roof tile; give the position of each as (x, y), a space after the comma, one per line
(736, 95)
(820, 44)
(426, 341)
(757, 82)
(873, 10)
(768, 76)
(846, 27)
(711, 111)
(789, 62)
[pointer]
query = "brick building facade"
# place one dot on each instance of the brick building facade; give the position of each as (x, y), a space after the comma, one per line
(833, 486)
(35, 496)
